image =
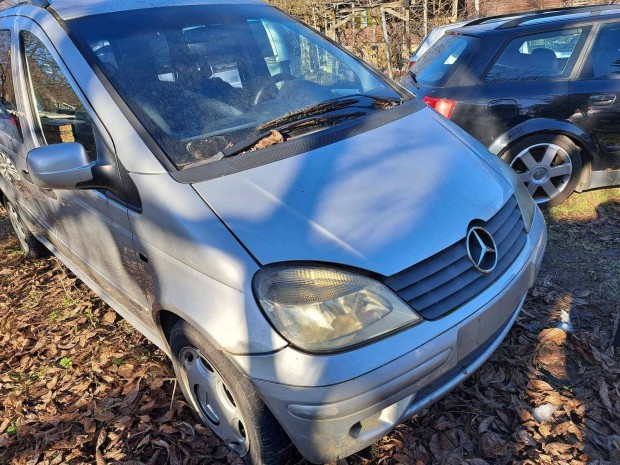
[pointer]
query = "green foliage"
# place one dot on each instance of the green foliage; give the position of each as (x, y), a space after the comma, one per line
(66, 363)
(12, 429)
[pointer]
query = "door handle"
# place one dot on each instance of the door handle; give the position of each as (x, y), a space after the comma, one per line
(602, 100)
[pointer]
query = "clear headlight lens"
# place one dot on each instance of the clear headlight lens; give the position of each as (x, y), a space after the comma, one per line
(524, 199)
(321, 309)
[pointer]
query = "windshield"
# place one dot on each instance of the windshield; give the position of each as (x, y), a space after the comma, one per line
(203, 78)
(440, 61)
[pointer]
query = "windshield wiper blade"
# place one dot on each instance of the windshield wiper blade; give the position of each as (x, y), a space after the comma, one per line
(414, 77)
(327, 106)
(278, 135)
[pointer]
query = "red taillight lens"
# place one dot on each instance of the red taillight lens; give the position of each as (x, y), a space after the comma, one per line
(443, 106)
(411, 63)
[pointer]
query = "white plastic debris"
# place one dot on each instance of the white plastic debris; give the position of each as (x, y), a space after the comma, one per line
(565, 323)
(543, 412)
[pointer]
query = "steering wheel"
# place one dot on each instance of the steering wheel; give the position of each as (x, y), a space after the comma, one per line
(269, 84)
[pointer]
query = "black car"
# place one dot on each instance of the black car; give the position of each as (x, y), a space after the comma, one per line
(540, 89)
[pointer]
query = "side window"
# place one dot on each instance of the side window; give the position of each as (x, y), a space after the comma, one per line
(535, 57)
(605, 54)
(61, 115)
(10, 123)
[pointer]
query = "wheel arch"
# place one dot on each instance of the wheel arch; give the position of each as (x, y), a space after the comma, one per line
(166, 321)
(586, 144)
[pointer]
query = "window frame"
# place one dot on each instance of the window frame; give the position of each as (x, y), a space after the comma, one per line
(587, 53)
(104, 142)
(26, 90)
(13, 58)
(572, 65)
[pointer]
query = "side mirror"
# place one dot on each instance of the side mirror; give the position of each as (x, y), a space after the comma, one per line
(60, 166)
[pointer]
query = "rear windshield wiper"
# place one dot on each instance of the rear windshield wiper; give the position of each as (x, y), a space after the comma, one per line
(324, 107)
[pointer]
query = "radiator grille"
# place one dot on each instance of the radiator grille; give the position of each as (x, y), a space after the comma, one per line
(446, 281)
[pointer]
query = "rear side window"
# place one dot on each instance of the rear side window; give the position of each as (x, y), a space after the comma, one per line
(10, 123)
(605, 54)
(440, 61)
(61, 115)
(538, 56)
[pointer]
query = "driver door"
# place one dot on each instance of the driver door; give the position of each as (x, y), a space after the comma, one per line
(90, 227)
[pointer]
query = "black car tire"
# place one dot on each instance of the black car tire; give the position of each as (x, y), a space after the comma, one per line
(192, 355)
(29, 244)
(548, 164)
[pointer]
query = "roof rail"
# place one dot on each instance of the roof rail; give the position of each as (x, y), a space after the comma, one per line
(594, 10)
(482, 20)
(40, 3)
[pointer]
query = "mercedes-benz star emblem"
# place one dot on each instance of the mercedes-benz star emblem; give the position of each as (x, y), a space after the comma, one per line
(482, 249)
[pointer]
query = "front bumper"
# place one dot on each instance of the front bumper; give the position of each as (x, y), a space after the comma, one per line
(329, 421)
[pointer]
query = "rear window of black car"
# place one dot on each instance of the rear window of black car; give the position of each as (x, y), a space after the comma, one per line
(440, 61)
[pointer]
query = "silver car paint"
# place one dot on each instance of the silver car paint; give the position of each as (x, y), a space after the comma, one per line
(319, 417)
(370, 201)
(68, 9)
(197, 269)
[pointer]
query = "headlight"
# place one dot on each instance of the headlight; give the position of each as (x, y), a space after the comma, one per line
(321, 309)
(524, 199)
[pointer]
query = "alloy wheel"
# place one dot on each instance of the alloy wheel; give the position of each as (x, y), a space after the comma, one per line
(545, 169)
(217, 406)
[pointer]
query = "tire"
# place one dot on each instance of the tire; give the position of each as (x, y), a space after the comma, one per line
(30, 245)
(232, 407)
(548, 164)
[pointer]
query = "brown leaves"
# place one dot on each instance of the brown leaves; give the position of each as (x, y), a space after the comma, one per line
(114, 404)
(274, 138)
(110, 404)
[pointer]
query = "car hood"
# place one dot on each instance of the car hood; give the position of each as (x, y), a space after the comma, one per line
(382, 200)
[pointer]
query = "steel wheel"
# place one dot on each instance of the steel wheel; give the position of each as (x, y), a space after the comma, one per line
(545, 169)
(20, 230)
(217, 406)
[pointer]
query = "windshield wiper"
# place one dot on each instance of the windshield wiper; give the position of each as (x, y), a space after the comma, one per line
(327, 106)
(414, 77)
(278, 134)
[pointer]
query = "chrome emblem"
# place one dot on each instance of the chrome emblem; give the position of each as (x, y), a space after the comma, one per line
(481, 249)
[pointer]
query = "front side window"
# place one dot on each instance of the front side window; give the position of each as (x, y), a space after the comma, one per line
(605, 55)
(10, 123)
(203, 78)
(535, 57)
(60, 114)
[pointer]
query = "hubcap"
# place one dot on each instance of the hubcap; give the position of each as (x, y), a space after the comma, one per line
(19, 229)
(216, 404)
(545, 169)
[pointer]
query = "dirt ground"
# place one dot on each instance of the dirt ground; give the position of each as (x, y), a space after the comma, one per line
(79, 385)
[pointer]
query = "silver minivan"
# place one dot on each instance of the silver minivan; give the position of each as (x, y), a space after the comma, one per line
(320, 254)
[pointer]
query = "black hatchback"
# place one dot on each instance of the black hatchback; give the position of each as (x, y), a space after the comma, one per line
(539, 89)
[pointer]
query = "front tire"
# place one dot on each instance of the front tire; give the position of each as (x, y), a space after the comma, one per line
(225, 400)
(30, 245)
(548, 164)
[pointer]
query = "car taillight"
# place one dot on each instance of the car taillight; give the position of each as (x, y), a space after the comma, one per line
(411, 63)
(443, 106)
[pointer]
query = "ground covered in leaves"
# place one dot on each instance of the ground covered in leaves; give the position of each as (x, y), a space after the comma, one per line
(79, 385)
